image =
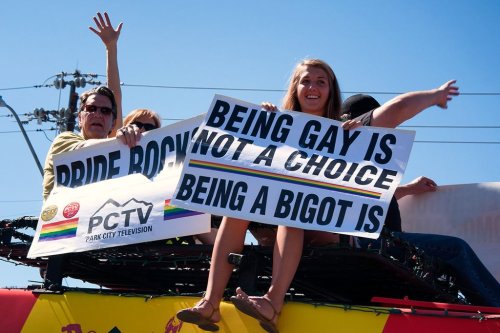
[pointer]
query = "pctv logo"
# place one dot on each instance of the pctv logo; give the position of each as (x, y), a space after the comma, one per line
(111, 215)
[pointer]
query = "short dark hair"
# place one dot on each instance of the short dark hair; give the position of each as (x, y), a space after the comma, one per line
(101, 90)
(358, 104)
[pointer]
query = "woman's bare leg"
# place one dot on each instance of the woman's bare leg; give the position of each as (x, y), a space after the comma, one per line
(230, 238)
(286, 258)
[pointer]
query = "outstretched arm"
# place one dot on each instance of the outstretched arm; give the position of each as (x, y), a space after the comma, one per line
(109, 36)
(406, 106)
(416, 186)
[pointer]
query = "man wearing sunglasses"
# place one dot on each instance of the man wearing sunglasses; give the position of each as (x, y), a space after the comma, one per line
(97, 117)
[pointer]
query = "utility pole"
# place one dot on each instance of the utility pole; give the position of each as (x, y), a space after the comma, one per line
(64, 118)
(67, 118)
(73, 100)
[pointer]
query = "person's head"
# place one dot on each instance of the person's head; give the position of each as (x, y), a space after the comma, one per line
(145, 119)
(313, 89)
(97, 114)
(358, 104)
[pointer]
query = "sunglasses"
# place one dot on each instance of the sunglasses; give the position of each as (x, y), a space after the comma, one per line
(103, 109)
(146, 127)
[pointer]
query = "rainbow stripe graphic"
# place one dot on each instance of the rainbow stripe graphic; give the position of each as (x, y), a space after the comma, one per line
(282, 178)
(171, 212)
(59, 230)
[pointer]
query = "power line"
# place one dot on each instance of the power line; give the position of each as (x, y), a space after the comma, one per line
(416, 141)
(243, 89)
(402, 126)
(199, 88)
(46, 137)
(405, 126)
(480, 94)
(459, 142)
(35, 130)
(283, 90)
(402, 92)
(450, 126)
(173, 119)
(28, 87)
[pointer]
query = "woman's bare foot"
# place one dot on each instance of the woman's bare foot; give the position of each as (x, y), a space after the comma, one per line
(260, 308)
(204, 314)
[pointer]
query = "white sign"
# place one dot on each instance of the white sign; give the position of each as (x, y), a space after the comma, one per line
(293, 169)
(467, 211)
(109, 195)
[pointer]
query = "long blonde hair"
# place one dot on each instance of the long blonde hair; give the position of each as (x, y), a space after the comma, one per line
(291, 101)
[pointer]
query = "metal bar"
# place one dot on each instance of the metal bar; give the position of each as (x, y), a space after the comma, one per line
(37, 161)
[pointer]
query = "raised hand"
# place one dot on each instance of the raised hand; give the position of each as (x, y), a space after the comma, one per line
(104, 29)
(109, 36)
(445, 93)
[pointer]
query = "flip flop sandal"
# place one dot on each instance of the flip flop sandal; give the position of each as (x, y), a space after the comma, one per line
(248, 307)
(192, 316)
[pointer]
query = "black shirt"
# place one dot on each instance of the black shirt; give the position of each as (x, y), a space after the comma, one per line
(393, 218)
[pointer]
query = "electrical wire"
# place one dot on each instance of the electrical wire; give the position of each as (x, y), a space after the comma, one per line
(459, 142)
(416, 141)
(450, 126)
(279, 90)
(49, 78)
(18, 88)
(35, 130)
(242, 89)
(173, 119)
(46, 136)
(199, 88)
(27, 87)
(402, 126)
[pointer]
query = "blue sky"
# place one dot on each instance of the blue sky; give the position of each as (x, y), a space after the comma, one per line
(373, 46)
